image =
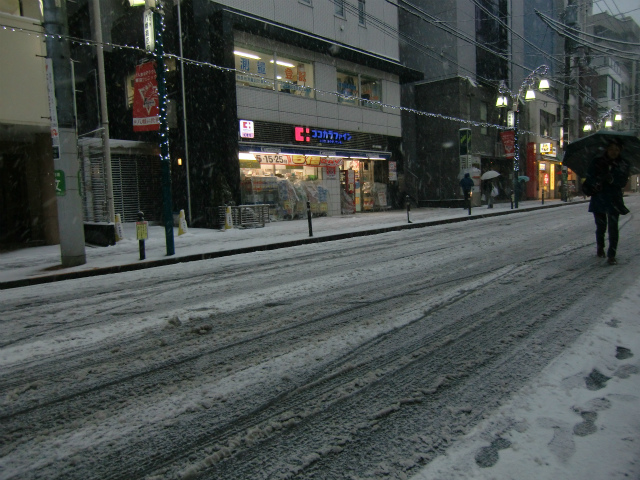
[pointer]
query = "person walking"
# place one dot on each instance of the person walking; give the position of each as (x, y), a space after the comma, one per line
(606, 177)
(467, 184)
(489, 193)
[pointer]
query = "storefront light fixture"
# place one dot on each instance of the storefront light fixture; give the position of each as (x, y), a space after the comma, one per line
(246, 156)
(246, 55)
(502, 101)
(283, 64)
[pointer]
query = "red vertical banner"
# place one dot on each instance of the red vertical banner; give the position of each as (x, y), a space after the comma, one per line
(146, 111)
(509, 142)
(532, 171)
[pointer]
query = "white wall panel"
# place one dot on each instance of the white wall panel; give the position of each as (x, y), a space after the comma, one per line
(23, 88)
(256, 98)
(296, 118)
(294, 104)
(350, 114)
(327, 110)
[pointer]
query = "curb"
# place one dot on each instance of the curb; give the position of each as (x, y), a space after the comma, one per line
(130, 267)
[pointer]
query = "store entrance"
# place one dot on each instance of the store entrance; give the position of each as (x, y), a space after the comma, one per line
(347, 191)
(14, 206)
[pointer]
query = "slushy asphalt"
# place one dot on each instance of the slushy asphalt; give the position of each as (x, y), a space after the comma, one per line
(42, 264)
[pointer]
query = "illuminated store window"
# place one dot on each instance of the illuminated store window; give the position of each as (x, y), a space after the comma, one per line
(266, 70)
(294, 76)
(253, 68)
(347, 84)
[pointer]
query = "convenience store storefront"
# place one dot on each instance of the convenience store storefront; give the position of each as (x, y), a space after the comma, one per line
(334, 181)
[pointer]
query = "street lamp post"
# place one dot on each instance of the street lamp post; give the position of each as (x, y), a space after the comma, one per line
(605, 120)
(526, 93)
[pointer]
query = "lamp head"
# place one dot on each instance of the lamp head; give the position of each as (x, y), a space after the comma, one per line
(531, 95)
(544, 85)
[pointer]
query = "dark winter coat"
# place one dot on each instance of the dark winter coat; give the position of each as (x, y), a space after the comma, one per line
(466, 183)
(608, 178)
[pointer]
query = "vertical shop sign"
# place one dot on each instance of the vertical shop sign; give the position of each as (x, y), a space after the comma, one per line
(149, 31)
(393, 173)
(331, 173)
(146, 111)
(53, 112)
(532, 170)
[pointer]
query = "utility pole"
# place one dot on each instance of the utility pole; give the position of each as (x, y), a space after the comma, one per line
(64, 136)
(104, 114)
(570, 20)
(155, 7)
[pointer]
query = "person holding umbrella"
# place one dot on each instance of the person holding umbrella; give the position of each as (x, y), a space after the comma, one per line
(607, 175)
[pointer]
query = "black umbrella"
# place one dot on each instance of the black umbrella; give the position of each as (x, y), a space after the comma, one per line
(579, 153)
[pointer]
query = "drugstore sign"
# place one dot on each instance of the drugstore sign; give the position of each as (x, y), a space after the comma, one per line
(298, 160)
(307, 134)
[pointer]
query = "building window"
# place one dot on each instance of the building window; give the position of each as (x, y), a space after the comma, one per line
(546, 123)
(130, 89)
(261, 69)
(371, 89)
(347, 84)
(354, 85)
(614, 90)
(339, 7)
(361, 13)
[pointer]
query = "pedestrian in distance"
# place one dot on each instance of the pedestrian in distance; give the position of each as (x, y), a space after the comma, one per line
(466, 184)
(607, 175)
(490, 192)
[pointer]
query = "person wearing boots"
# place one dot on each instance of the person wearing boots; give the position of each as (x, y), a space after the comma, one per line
(607, 175)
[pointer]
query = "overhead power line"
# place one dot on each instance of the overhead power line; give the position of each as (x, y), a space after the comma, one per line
(565, 31)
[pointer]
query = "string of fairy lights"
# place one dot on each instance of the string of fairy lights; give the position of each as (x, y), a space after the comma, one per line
(110, 45)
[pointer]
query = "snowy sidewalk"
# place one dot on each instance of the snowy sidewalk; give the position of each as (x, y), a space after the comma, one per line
(36, 265)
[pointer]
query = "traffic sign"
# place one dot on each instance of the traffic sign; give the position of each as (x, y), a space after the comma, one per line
(60, 183)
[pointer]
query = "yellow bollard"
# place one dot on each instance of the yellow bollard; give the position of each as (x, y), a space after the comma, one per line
(182, 224)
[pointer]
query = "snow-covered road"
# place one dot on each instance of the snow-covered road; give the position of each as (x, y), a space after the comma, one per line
(360, 358)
